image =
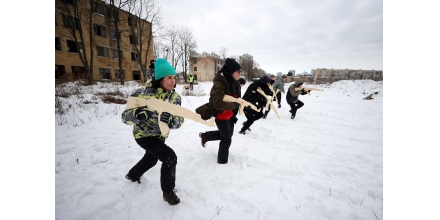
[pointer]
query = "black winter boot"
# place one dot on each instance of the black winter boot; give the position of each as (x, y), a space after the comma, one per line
(171, 197)
(128, 177)
(249, 129)
(203, 141)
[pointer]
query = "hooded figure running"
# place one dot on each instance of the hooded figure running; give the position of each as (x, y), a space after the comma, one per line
(147, 133)
(292, 97)
(225, 83)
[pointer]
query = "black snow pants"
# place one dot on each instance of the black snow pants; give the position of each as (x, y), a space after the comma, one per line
(156, 149)
(224, 134)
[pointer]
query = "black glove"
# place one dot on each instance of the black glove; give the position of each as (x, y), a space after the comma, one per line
(143, 113)
(166, 118)
(309, 90)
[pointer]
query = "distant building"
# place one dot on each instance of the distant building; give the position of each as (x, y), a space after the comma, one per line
(204, 66)
(292, 72)
(332, 75)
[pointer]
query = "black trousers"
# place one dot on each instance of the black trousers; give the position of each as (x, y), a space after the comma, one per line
(251, 116)
(295, 106)
(279, 98)
(224, 134)
(156, 149)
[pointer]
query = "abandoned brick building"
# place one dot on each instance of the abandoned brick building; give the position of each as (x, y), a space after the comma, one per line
(99, 20)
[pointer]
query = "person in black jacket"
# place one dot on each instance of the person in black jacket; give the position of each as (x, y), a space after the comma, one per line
(253, 96)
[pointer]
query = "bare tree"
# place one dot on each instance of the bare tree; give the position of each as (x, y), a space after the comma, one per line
(174, 49)
(71, 12)
(187, 44)
(148, 12)
(222, 53)
(115, 8)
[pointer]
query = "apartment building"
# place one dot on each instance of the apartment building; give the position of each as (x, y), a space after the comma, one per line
(204, 66)
(68, 64)
(332, 75)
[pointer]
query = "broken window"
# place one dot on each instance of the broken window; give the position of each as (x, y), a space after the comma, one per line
(70, 22)
(98, 8)
(136, 75)
(132, 21)
(74, 47)
(116, 53)
(57, 43)
(79, 72)
(133, 39)
(104, 73)
(59, 71)
(102, 51)
(134, 56)
(112, 33)
(99, 30)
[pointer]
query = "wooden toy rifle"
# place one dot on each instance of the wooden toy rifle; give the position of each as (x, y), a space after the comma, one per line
(269, 101)
(308, 89)
(243, 103)
(161, 106)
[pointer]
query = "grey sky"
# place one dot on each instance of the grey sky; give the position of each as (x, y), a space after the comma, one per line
(285, 35)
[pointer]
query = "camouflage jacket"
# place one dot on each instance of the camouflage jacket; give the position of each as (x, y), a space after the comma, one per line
(279, 84)
(150, 126)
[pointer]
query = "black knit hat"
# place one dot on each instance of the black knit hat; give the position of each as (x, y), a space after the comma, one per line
(265, 80)
(231, 65)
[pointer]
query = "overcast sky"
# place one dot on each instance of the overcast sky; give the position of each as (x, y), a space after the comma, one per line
(285, 35)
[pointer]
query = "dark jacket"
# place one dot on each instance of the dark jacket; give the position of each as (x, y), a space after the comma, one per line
(292, 95)
(216, 103)
(253, 96)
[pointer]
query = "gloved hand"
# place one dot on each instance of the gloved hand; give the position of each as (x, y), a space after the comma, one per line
(143, 113)
(166, 118)
(309, 90)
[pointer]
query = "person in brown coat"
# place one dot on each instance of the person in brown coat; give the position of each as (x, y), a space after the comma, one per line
(225, 83)
(292, 97)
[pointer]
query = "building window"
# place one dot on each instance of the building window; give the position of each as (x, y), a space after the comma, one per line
(133, 39)
(59, 71)
(79, 72)
(99, 30)
(70, 22)
(112, 34)
(117, 74)
(136, 75)
(105, 73)
(73, 47)
(112, 14)
(195, 61)
(116, 54)
(102, 51)
(134, 56)
(57, 44)
(132, 21)
(98, 8)
(195, 68)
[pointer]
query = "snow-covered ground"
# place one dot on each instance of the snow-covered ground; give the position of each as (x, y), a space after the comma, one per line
(327, 163)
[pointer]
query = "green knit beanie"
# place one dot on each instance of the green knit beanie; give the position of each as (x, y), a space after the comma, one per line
(162, 68)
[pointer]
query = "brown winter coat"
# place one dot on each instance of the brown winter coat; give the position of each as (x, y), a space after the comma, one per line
(294, 94)
(216, 103)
